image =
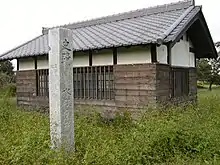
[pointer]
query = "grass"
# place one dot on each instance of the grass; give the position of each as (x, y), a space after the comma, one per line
(180, 135)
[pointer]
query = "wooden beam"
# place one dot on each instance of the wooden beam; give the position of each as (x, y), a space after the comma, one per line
(17, 64)
(115, 55)
(192, 50)
(169, 54)
(90, 58)
(195, 60)
(37, 76)
(35, 62)
(153, 53)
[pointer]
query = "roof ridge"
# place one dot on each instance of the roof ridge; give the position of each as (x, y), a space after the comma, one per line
(3, 54)
(126, 15)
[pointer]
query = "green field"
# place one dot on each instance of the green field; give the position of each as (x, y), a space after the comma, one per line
(176, 136)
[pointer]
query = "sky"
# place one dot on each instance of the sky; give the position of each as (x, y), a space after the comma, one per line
(23, 20)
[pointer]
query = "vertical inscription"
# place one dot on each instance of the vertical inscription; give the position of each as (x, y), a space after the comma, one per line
(61, 88)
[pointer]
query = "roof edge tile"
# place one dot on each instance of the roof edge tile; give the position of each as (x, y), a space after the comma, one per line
(175, 24)
(3, 54)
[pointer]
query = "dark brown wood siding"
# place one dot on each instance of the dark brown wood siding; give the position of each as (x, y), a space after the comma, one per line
(163, 83)
(135, 85)
(27, 92)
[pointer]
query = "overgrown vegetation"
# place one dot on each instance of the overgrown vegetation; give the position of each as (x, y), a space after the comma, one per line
(7, 75)
(8, 90)
(7, 79)
(189, 135)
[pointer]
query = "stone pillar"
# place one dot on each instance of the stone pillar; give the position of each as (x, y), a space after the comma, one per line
(61, 88)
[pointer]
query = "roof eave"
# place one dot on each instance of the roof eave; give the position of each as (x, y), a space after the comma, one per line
(210, 40)
(22, 56)
(198, 16)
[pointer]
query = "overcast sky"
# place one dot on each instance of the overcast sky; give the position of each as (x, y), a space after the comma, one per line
(22, 20)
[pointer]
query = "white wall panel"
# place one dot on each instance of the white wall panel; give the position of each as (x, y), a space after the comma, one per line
(134, 55)
(81, 59)
(26, 64)
(103, 57)
(42, 62)
(162, 54)
(192, 59)
(180, 54)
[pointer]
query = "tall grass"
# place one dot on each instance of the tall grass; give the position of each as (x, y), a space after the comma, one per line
(179, 135)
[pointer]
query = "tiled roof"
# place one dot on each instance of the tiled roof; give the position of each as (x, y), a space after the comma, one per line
(150, 25)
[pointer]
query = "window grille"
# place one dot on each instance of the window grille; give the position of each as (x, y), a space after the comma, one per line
(42, 78)
(95, 82)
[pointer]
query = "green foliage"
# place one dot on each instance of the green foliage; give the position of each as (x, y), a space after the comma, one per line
(189, 135)
(8, 90)
(6, 73)
(4, 79)
(209, 71)
(203, 70)
(6, 67)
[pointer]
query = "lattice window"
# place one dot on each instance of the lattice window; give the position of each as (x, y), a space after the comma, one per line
(94, 82)
(180, 82)
(42, 78)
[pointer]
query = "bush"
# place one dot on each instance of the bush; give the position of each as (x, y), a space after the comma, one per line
(6, 79)
(8, 90)
(11, 90)
(175, 136)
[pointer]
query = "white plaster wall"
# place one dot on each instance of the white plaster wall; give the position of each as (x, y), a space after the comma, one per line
(191, 55)
(134, 55)
(26, 64)
(180, 55)
(191, 59)
(103, 57)
(81, 59)
(162, 54)
(42, 62)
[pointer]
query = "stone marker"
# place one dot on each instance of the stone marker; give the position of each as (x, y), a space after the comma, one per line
(61, 88)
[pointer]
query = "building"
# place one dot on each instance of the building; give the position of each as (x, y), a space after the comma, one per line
(129, 60)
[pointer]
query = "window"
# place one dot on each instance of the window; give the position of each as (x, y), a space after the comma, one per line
(180, 82)
(94, 82)
(42, 82)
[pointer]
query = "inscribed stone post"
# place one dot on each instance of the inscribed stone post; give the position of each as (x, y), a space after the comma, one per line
(61, 88)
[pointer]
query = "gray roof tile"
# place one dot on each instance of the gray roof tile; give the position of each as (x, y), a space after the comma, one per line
(132, 28)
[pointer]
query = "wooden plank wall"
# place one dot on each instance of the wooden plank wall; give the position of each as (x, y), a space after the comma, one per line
(26, 90)
(135, 85)
(163, 83)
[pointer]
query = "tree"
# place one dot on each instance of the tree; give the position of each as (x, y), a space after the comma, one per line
(6, 67)
(209, 71)
(214, 78)
(6, 73)
(203, 70)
